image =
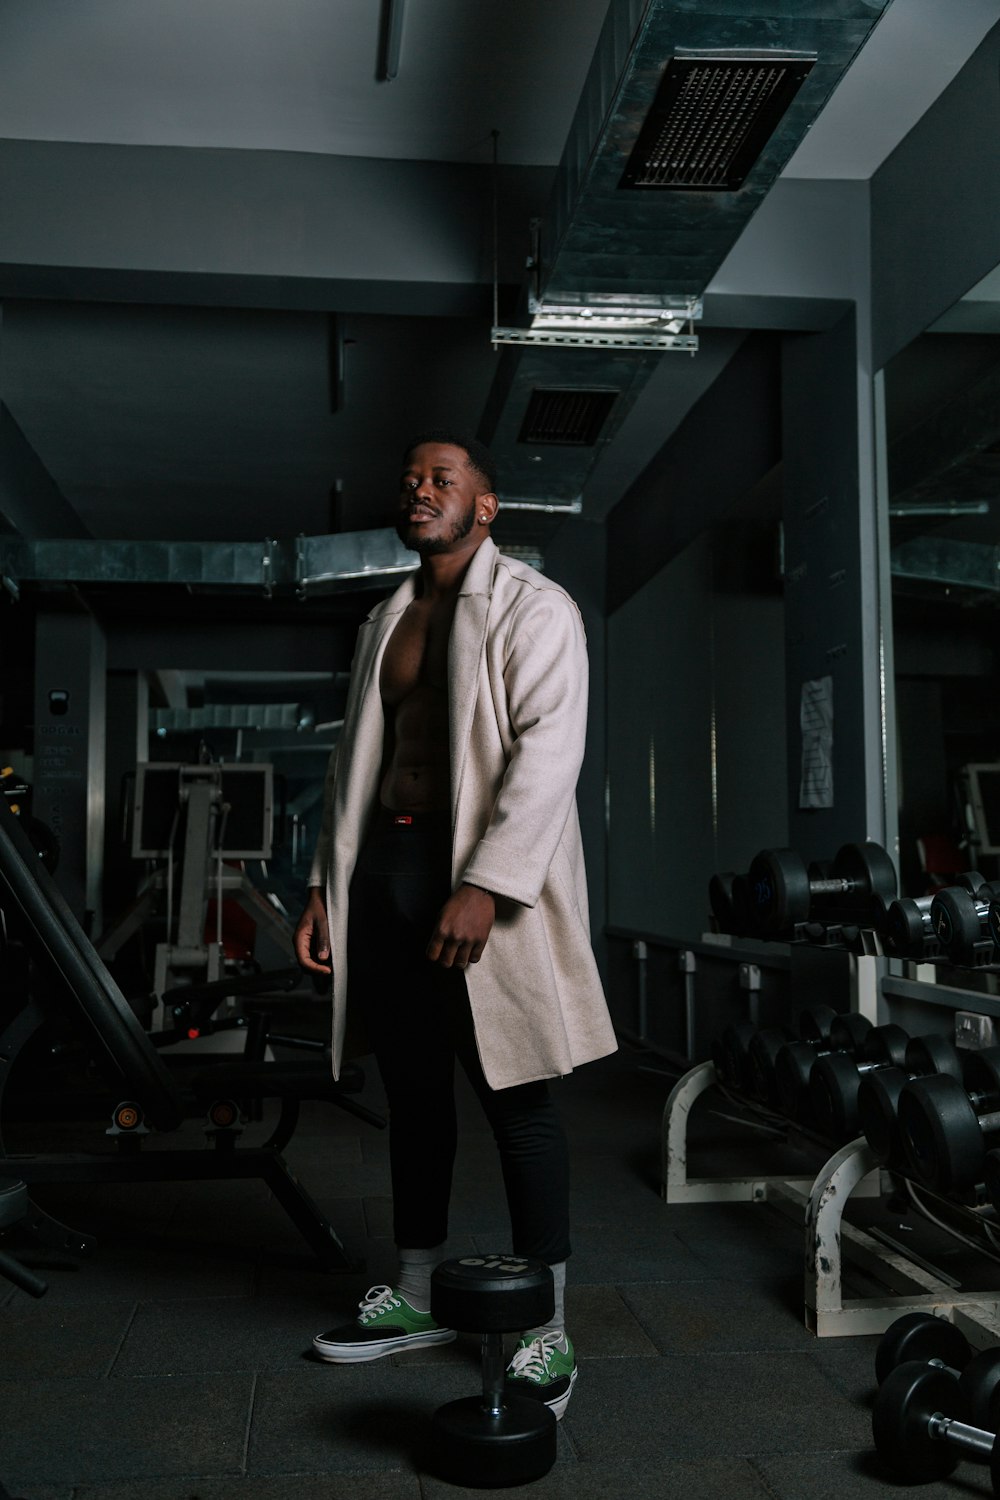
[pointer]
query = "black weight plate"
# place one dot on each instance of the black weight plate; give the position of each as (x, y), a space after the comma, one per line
(492, 1293)
(869, 868)
(744, 911)
(980, 1382)
(921, 1336)
(761, 1053)
(476, 1448)
(970, 880)
(991, 1177)
(720, 899)
(878, 1102)
(908, 927)
(955, 917)
(981, 1075)
(941, 1133)
(815, 1022)
(736, 1041)
(848, 1032)
(885, 1046)
(905, 1402)
(779, 889)
(933, 1054)
(993, 920)
(833, 1096)
(792, 1067)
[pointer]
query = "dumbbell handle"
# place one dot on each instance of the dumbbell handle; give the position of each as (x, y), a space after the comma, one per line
(974, 1440)
(832, 887)
(493, 1373)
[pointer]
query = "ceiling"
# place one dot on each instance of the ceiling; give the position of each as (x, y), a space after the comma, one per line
(239, 270)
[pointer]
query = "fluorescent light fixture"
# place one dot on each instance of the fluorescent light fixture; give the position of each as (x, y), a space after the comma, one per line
(390, 40)
(609, 325)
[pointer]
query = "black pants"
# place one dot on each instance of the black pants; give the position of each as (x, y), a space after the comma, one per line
(418, 1020)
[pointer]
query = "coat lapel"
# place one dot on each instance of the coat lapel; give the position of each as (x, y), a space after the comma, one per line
(465, 653)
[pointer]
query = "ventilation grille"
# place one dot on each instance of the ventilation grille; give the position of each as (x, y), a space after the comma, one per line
(710, 120)
(573, 418)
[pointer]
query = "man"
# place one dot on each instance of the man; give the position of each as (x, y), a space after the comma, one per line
(448, 894)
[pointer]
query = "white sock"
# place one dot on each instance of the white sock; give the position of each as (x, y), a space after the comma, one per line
(414, 1276)
(557, 1322)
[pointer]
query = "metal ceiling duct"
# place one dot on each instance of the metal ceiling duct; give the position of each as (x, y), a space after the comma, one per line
(689, 113)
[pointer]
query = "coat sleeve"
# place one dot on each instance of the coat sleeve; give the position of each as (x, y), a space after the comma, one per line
(545, 678)
(321, 858)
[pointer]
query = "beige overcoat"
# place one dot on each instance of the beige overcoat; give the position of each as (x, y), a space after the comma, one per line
(517, 703)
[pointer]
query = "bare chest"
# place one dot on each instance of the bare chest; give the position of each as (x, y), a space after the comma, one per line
(416, 656)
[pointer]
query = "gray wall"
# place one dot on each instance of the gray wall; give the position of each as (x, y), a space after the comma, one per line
(696, 750)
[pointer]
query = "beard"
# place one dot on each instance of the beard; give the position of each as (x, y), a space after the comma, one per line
(428, 546)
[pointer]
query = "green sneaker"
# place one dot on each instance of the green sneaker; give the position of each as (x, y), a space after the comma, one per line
(387, 1324)
(544, 1367)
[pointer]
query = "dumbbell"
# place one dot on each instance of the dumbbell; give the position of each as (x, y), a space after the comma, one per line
(920, 1428)
(944, 1123)
(732, 1054)
(879, 1090)
(720, 899)
(908, 929)
(961, 922)
(762, 1054)
(861, 884)
(795, 1060)
(835, 1078)
(923, 1337)
(500, 1437)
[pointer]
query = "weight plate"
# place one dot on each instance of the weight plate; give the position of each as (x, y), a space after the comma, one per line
(956, 920)
(970, 880)
(993, 921)
(815, 1022)
(921, 1336)
(792, 1068)
(474, 1447)
(869, 868)
(736, 1041)
(908, 927)
(980, 1382)
(833, 1096)
(878, 1102)
(720, 899)
(848, 1032)
(492, 1293)
(933, 1054)
(779, 889)
(761, 1053)
(885, 1046)
(981, 1075)
(904, 1404)
(991, 1177)
(941, 1133)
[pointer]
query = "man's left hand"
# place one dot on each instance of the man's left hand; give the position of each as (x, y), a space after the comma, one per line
(463, 925)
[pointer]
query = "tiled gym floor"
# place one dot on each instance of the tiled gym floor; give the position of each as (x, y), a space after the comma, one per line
(172, 1365)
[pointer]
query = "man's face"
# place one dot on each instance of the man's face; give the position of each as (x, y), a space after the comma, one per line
(436, 510)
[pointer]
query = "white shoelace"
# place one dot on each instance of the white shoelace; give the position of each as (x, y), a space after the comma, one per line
(377, 1300)
(532, 1360)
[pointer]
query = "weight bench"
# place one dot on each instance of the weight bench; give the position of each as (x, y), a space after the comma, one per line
(148, 1090)
(15, 1207)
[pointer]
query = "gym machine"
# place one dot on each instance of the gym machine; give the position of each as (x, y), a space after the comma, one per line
(147, 1091)
(198, 822)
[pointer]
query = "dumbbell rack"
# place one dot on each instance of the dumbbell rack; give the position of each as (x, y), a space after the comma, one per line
(817, 1205)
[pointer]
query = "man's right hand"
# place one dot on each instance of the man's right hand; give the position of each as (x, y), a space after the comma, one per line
(312, 935)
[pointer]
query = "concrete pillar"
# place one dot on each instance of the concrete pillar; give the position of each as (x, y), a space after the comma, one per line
(837, 597)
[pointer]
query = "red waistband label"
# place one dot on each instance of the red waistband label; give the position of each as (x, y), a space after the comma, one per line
(403, 819)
